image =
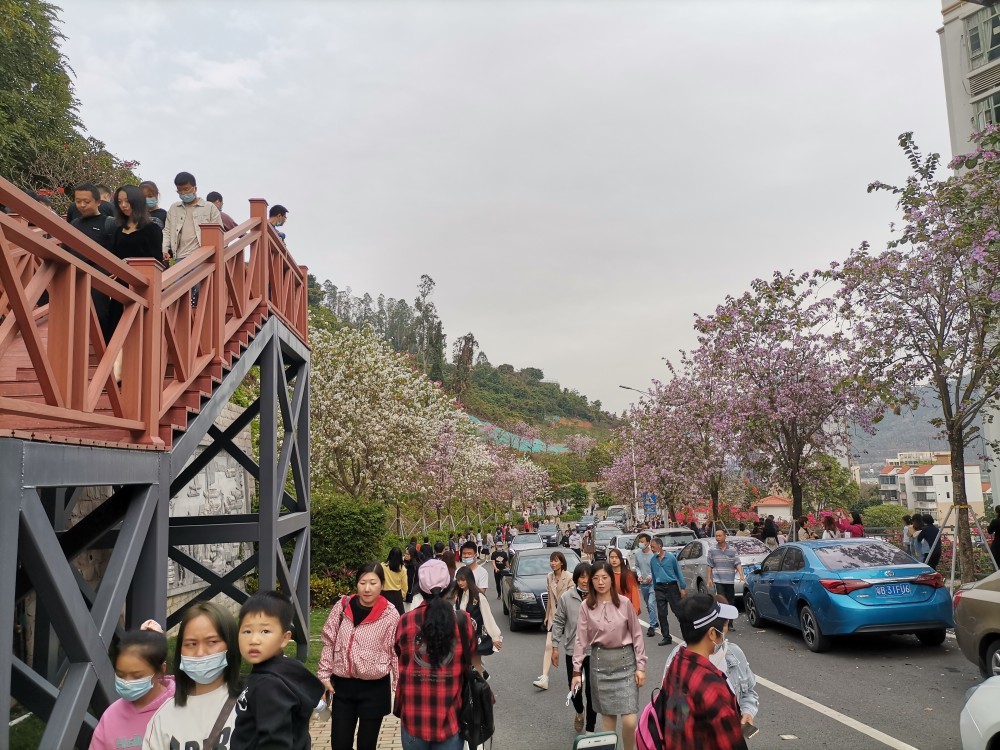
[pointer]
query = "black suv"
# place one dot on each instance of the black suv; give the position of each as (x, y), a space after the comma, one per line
(551, 534)
(586, 522)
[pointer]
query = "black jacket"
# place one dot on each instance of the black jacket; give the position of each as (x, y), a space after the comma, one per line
(275, 707)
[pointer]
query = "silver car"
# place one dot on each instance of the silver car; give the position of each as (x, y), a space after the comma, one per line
(693, 559)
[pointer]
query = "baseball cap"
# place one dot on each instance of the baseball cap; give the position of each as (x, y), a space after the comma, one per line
(433, 574)
(701, 611)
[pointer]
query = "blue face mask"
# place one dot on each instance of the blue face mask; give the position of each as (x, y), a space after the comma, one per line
(151, 202)
(204, 669)
(188, 198)
(133, 690)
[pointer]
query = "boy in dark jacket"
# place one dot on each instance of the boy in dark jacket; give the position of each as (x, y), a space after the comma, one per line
(274, 710)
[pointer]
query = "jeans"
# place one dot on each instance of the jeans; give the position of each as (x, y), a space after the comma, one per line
(591, 720)
(498, 577)
(649, 597)
(668, 596)
(410, 742)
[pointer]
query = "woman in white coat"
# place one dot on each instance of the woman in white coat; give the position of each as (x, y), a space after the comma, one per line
(468, 597)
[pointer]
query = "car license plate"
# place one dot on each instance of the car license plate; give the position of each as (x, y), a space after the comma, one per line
(892, 589)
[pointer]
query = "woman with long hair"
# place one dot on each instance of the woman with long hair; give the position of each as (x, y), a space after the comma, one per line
(468, 598)
(431, 643)
(152, 195)
(851, 527)
(448, 558)
(829, 528)
(609, 627)
(770, 533)
(394, 575)
(207, 681)
(358, 664)
(411, 561)
(564, 637)
(558, 581)
(626, 583)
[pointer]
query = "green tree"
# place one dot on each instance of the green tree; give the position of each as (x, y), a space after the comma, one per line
(884, 516)
(833, 488)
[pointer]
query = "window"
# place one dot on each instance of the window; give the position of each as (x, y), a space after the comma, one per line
(772, 563)
(793, 560)
(982, 33)
(923, 481)
(871, 555)
(987, 112)
(887, 480)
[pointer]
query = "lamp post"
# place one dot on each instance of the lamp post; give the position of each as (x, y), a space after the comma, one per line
(635, 477)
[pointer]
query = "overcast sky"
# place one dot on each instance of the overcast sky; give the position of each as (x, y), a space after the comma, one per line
(579, 178)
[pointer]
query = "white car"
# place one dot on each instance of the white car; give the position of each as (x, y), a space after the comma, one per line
(526, 541)
(980, 720)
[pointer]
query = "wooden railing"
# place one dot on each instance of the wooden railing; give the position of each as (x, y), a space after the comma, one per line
(49, 330)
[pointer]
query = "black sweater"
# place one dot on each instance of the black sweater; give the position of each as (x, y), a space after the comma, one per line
(275, 708)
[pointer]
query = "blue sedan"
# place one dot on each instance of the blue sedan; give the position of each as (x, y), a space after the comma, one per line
(848, 586)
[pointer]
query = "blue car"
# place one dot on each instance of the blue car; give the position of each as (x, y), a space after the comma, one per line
(845, 587)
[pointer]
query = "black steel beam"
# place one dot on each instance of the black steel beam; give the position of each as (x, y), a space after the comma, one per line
(57, 465)
(10, 508)
(204, 458)
(39, 697)
(216, 584)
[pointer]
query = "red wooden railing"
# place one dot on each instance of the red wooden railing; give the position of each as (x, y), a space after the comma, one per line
(57, 373)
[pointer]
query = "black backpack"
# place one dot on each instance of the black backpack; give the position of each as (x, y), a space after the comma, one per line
(475, 719)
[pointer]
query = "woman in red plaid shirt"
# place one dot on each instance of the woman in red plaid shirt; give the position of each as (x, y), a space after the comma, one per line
(431, 655)
(702, 711)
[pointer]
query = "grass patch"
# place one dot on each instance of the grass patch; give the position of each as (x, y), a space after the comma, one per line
(27, 735)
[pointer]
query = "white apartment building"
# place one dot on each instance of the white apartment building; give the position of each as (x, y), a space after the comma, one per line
(926, 487)
(970, 56)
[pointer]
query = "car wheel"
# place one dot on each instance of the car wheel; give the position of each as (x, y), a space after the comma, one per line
(753, 614)
(511, 624)
(991, 661)
(506, 610)
(701, 587)
(931, 637)
(811, 634)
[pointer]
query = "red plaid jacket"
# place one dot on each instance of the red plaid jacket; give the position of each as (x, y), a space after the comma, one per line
(428, 699)
(702, 711)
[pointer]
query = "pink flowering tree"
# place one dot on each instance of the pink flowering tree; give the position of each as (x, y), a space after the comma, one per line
(580, 444)
(925, 310)
(788, 375)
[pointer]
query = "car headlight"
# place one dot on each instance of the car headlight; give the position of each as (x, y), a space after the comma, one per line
(524, 596)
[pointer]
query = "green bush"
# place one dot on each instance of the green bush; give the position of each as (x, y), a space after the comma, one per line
(325, 591)
(883, 516)
(346, 532)
(573, 514)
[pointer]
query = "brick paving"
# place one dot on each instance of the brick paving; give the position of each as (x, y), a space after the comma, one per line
(388, 738)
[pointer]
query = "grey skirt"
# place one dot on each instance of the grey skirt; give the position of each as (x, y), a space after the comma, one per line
(612, 681)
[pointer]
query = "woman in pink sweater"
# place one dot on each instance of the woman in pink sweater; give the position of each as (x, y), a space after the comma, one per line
(609, 631)
(853, 527)
(141, 681)
(359, 666)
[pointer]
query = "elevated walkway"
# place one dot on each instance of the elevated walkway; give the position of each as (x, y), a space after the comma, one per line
(67, 424)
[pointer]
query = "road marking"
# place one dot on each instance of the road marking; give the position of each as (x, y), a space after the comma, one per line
(875, 734)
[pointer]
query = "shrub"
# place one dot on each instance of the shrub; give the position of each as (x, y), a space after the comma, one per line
(346, 532)
(884, 516)
(324, 591)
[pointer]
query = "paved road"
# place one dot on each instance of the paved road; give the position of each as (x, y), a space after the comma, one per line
(893, 684)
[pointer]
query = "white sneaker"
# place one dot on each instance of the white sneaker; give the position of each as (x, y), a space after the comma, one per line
(542, 683)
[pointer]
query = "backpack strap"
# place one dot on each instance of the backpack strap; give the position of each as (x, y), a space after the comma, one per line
(220, 724)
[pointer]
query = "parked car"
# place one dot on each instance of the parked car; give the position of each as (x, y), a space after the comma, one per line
(526, 540)
(585, 522)
(621, 515)
(693, 559)
(848, 586)
(551, 534)
(602, 538)
(674, 540)
(522, 588)
(977, 623)
(979, 723)
(624, 542)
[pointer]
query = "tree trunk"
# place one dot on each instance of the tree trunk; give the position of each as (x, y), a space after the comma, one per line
(960, 512)
(796, 496)
(714, 492)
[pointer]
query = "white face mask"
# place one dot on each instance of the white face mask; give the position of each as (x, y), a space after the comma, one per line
(718, 658)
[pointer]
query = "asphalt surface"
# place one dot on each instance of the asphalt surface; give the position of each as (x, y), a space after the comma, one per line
(893, 684)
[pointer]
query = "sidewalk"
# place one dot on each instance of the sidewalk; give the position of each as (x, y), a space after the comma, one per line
(388, 738)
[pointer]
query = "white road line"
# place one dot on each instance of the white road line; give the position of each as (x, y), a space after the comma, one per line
(836, 715)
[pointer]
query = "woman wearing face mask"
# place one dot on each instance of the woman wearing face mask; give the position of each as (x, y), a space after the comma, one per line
(142, 683)
(729, 659)
(207, 674)
(556, 583)
(564, 637)
(610, 628)
(641, 557)
(152, 196)
(358, 665)
(709, 714)
(469, 598)
(394, 574)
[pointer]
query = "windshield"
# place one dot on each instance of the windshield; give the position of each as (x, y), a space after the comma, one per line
(872, 555)
(536, 565)
(527, 538)
(676, 539)
(547, 528)
(605, 535)
(625, 542)
(587, 519)
(744, 545)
